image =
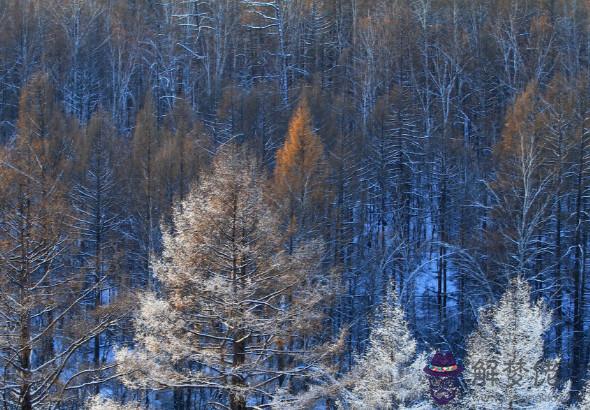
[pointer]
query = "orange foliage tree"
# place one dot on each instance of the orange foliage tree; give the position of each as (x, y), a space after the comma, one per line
(42, 292)
(520, 187)
(299, 172)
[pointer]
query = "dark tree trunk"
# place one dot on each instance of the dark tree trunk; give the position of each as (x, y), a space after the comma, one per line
(238, 401)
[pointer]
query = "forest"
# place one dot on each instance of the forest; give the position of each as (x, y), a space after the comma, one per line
(294, 204)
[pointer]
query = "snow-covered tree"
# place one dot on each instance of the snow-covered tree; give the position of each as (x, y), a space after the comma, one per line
(99, 402)
(389, 374)
(584, 399)
(298, 174)
(235, 308)
(44, 322)
(505, 365)
(96, 220)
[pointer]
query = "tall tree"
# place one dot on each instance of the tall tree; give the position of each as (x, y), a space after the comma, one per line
(231, 295)
(520, 190)
(97, 220)
(183, 153)
(41, 290)
(581, 185)
(561, 122)
(298, 174)
(145, 144)
(272, 17)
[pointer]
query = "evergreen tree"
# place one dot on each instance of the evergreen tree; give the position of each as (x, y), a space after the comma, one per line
(97, 222)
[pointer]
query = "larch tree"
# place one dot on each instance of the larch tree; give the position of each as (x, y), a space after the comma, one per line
(145, 145)
(272, 18)
(416, 102)
(77, 39)
(561, 124)
(520, 191)
(389, 374)
(581, 173)
(96, 221)
(342, 184)
(298, 173)
(41, 289)
(231, 295)
(505, 366)
(393, 152)
(183, 152)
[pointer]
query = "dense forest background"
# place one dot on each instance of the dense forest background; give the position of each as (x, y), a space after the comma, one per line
(442, 145)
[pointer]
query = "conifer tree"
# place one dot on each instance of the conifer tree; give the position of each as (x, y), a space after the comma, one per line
(389, 374)
(96, 219)
(42, 328)
(299, 172)
(182, 154)
(231, 295)
(520, 190)
(505, 367)
(145, 145)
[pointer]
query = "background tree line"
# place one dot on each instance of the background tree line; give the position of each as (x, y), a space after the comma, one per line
(441, 145)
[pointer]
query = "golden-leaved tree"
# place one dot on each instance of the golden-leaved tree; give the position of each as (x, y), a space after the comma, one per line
(299, 173)
(42, 317)
(520, 189)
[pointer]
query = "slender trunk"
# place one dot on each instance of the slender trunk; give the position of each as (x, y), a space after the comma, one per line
(558, 290)
(578, 274)
(237, 401)
(149, 221)
(25, 399)
(442, 265)
(25, 362)
(97, 271)
(181, 173)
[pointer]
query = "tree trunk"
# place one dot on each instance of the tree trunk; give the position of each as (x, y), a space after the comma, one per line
(237, 401)
(25, 399)
(578, 328)
(25, 359)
